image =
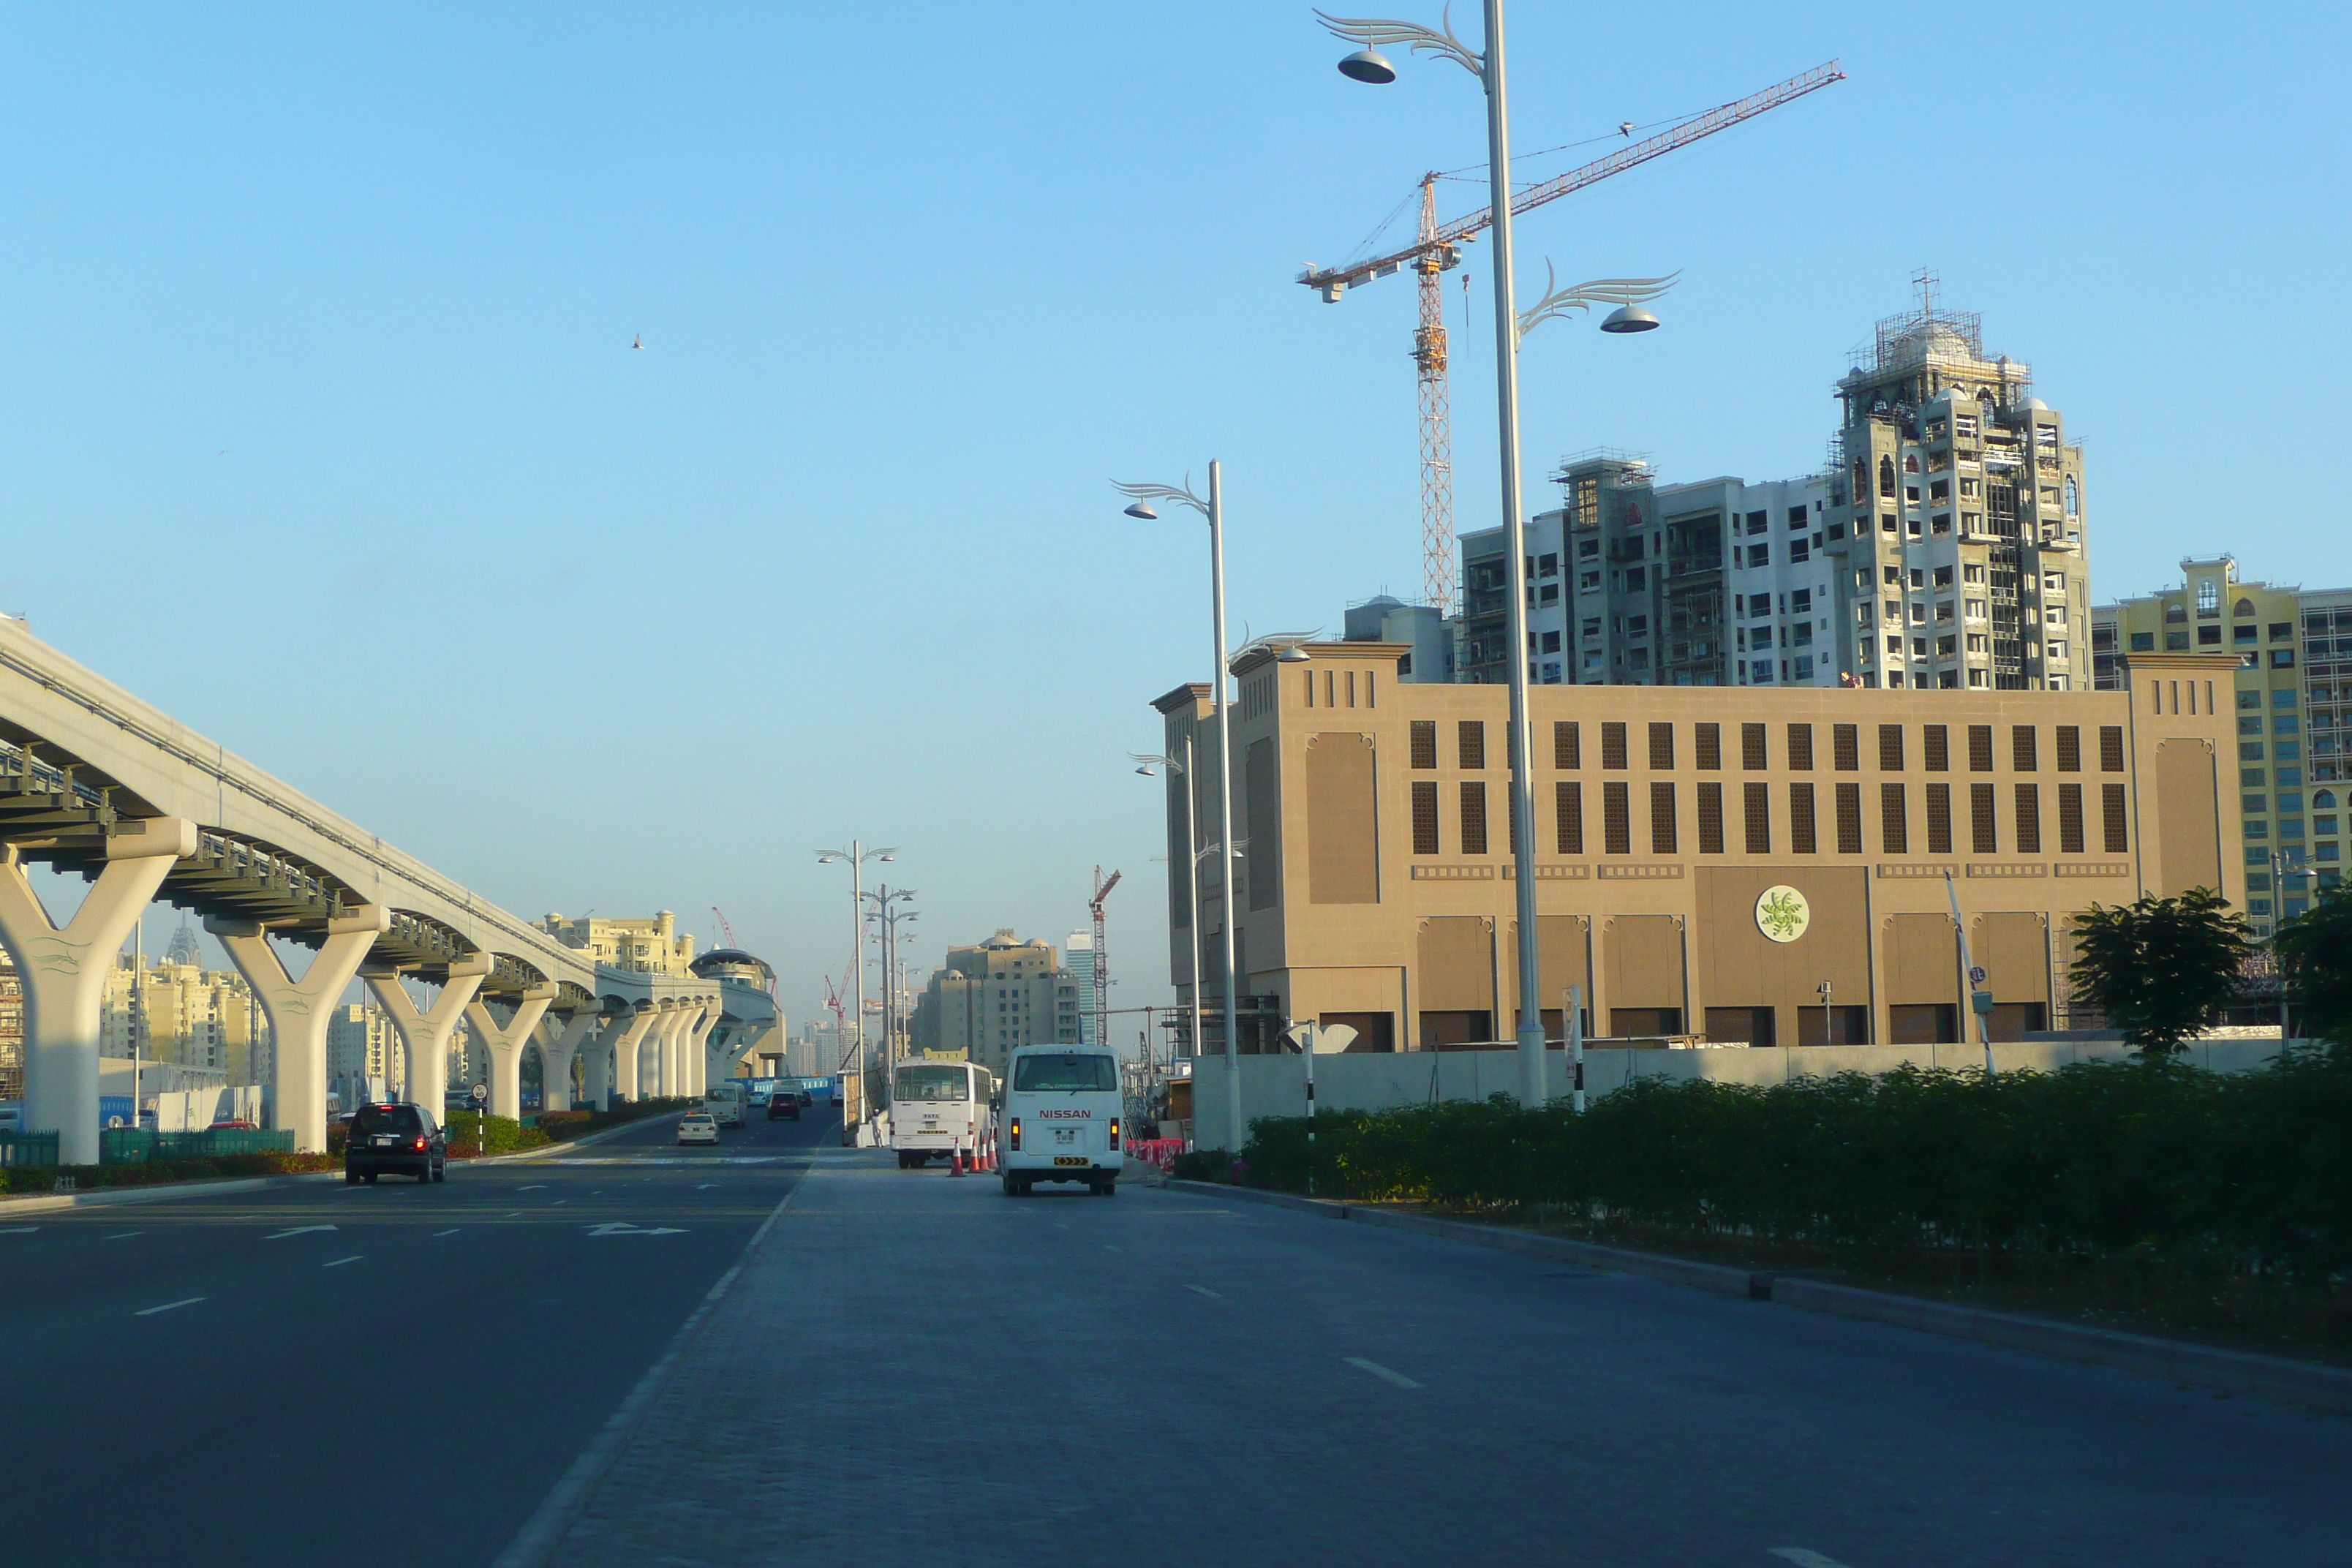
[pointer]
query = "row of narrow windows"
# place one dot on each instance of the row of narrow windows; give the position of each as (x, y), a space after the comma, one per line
(1936, 747)
(1798, 825)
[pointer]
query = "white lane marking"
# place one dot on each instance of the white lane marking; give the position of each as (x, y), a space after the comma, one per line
(339, 1262)
(511, 1214)
(122, 1236)
(1803, 1557)
(1059, 1225)
(559, 1202)
(20, 1230)
(706, 1186)
(150, 1312)
(439, 1233)
(298, 1230)
(623, 1228)
(1376, 1370)
(1197, 1291)
(1109, 1247)
(531, 1188)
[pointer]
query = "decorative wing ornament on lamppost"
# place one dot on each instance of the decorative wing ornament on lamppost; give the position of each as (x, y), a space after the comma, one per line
(1144, 495)
(1369, 65)
(1623, 292)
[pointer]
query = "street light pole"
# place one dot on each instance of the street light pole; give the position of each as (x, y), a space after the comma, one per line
(1214, 509)
(857, 855)
(1368, 65)
(1191, 871)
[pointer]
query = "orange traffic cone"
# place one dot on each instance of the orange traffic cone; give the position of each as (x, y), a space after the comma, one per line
(955, 1163)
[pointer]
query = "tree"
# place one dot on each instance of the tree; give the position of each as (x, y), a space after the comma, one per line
(2162, 968)
(2314, 953)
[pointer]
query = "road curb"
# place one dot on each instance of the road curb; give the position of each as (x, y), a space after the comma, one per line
(156, 1192)
(2303, 1383)
(557, 1147)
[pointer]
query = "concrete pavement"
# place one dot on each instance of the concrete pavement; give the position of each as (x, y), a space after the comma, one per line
(912, 1368)
(371, 1374)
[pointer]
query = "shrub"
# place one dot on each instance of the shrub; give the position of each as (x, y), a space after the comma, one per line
(2244, 1173)
(1202, 1165)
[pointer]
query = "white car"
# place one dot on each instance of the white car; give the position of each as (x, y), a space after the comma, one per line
(696, 1128)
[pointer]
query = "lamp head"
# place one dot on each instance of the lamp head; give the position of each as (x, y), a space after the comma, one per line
(1631, 318)
(886, 855)
(1142, 510)
(1146, 770)
(1294, 654)
(1368, 65)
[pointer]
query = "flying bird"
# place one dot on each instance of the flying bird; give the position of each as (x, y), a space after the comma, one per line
(1625, 127)
(640, 343)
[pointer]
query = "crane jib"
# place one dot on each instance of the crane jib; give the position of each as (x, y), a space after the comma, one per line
(1333, 281)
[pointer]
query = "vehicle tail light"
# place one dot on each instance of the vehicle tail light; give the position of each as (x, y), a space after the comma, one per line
(419, 1145)
(1114, 1132)
(1016, 1133)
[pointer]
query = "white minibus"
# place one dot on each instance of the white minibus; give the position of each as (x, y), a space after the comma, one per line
(939, 1108)
(1061, 1118)
(725, 1103)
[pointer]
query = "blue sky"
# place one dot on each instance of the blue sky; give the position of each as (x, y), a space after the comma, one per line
(320, 428)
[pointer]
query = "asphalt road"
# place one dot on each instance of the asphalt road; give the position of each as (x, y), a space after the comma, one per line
(1161, 1377)
(388, 1374)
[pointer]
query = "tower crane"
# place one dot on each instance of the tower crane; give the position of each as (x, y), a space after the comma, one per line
(726, 931)
(1437, 248)
(1102, 957)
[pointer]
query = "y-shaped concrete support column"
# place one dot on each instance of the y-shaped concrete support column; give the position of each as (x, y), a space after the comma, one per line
(662, 1068)
(425, 1037)
(596, 1063)
(628, 1036)
(699, 1047)
(505, 1043)
(298, 1011)
(64, 974)
(557, 1047)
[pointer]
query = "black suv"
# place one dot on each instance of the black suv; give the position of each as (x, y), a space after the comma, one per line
(400, 1138)
(783, 1106)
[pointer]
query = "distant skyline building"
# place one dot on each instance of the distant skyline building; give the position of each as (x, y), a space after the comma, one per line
(2293, 697)
(185, 1014)
(1078, 957)
(1943, 547)
(651, 946)
(990, 998)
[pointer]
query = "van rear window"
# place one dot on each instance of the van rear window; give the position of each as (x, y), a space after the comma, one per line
(933, 1083)
(1072, 1074)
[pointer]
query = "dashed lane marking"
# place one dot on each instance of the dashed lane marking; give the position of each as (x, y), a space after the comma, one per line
(1376, 1370)
(298, 1230)
(511, 1214)
(20, 1230)
(122, 1236)
(706, 1186)
(1199, 1290)
(1109, 1247)
(167, 1306)
(339, 1262)
(1804, 1557)
(439, 1234)
(533, 1187)
(621, 1227)
(559, 1202)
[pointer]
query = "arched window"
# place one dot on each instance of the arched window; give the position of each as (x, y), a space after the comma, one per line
(2324, 801)
(2073, 496)
(1861, 479)
(1911, 463)
(1886, 476)
(2245, 610)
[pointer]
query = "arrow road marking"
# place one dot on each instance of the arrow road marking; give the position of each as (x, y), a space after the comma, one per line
(298, 1230)
(1376, 1370)
(621, 1227)
(150, 1312)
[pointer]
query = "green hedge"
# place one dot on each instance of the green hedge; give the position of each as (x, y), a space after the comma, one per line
(2246, 1172)
(153, 1173)
(506, 1135)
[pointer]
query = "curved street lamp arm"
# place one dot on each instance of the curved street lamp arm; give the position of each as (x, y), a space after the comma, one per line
(1558, 301)
(1373, 32)
(1183, 496)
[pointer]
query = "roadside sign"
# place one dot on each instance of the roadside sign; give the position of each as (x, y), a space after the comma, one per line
(1976, 975)
(478, 1093)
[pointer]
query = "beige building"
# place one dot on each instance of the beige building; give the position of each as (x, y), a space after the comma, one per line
(994, 996)
(364, 1052)
(1765, 866)
(12, 1030)
(654, 946)
(185, 1013)
(2293, 646)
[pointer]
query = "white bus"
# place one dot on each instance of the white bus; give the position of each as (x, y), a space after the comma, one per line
(937, 1108)
(725, 1103)
(1062, 1119)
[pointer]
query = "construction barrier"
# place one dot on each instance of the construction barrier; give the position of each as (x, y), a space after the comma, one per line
(1156, 1151)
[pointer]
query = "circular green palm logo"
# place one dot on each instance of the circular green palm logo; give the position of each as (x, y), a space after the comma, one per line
(1782, 914)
